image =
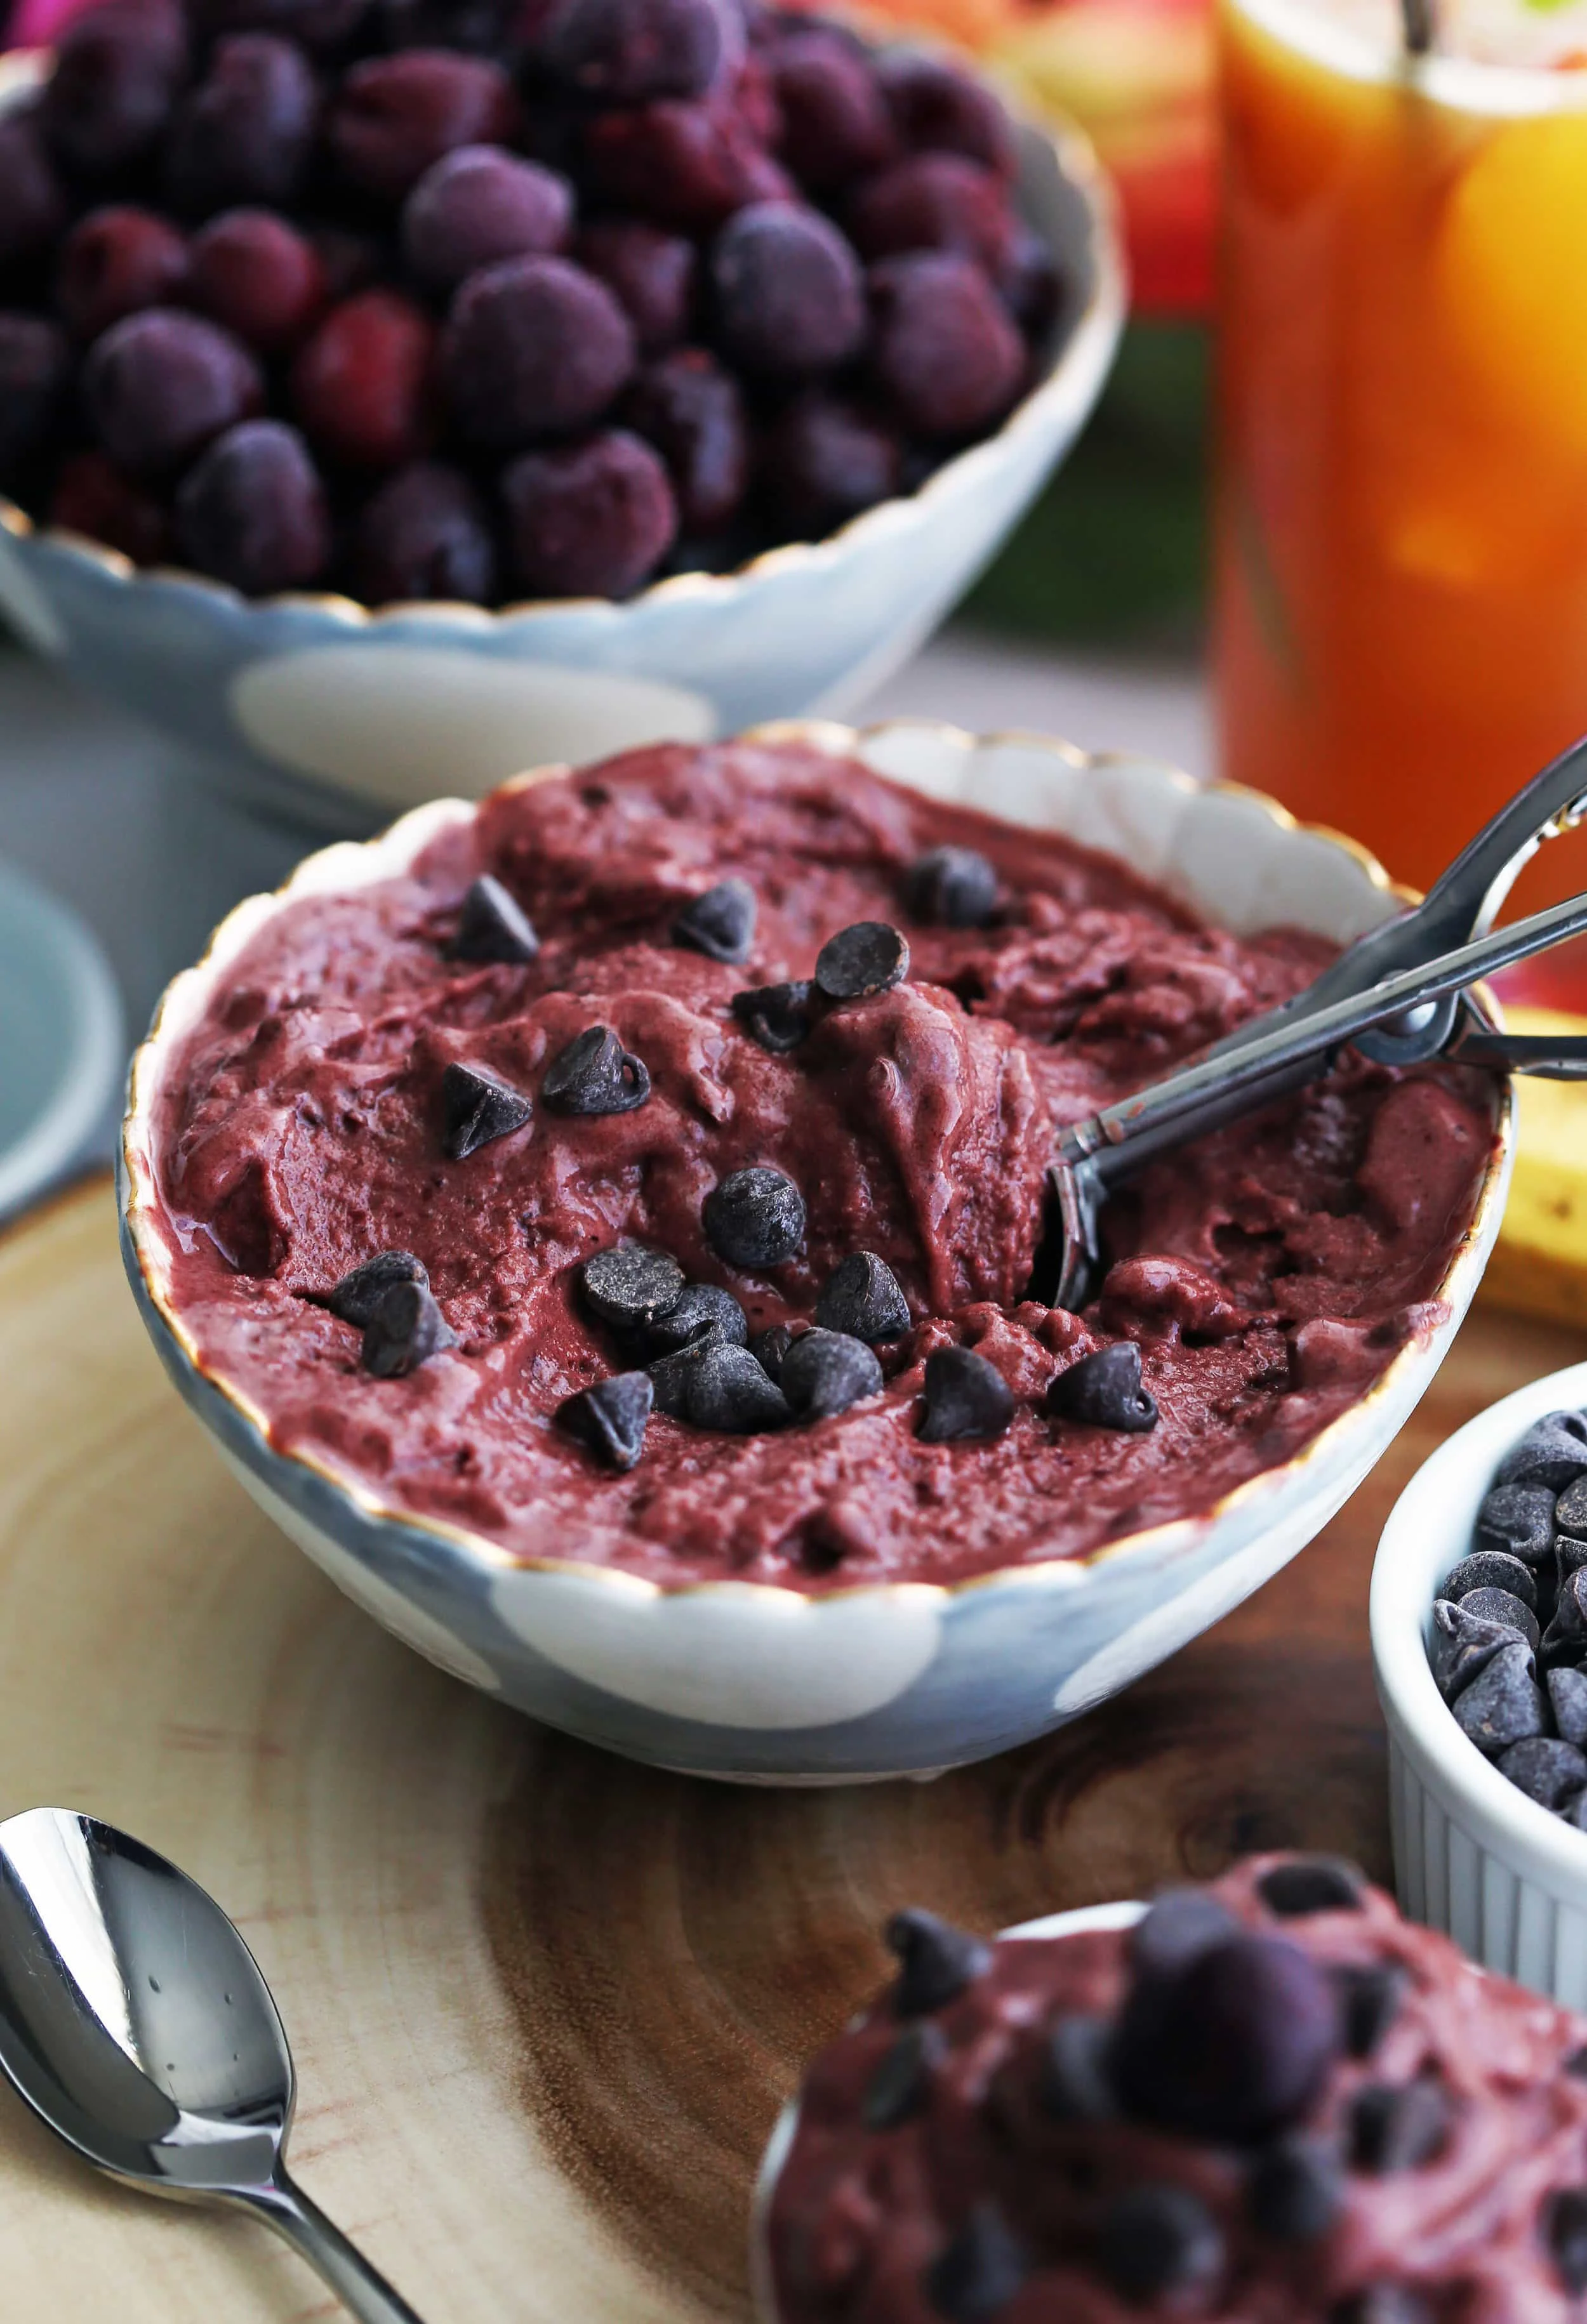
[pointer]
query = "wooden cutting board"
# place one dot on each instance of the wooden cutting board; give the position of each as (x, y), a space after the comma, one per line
(544, 2004)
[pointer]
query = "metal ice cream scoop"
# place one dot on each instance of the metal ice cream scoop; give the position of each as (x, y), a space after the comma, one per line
(135, 2021)
(1399, 994)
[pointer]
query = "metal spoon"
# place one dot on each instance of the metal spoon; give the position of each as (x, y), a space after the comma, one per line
(134, 2020)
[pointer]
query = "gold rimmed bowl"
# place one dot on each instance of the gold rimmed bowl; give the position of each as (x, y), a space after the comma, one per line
(768, 1684)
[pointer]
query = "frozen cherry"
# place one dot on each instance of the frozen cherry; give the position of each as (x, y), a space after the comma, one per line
(424, 534)
(934, 202)
(788, 292)
(1233, 2045)
(32, 385)
(481, 27)
(692, 412)
(159, 384)
(91, 498)
(114, 261)
(32, 208)
(478, 204)
(117, 71)
(651, 274)
(253, 511)
(589, 520)
(628, 51)
(244, 134)
(360, 385)
(835, 122)
(937, 108)
(688, 165)
(395, 116)
(259, 276)
(533, 346)
(944, 352)
(824, 460)
(318, 24)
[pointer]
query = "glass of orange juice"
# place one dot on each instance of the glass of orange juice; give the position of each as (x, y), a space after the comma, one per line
(1401, 628)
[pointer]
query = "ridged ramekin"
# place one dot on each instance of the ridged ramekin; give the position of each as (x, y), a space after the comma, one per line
(1473, 1855)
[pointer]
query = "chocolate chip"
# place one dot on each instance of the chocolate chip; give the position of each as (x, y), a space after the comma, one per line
(778, 1016)
(1103, 1390)
(1546, 1769)
(479, 1108)
(965, 1395)
(718, 1386)
(1382, 2304)
(1500, 1606)
(1462, 1645)
(1371, 1995)
(1492, 1569)
(936, 1961)
(610, 1418)
(1570, 1555)
(404, 1331)
(770, 1347)
(359, 1293)
(979, 2271)
(1503, 1702)
(1566, 1638)
(1570, 1511)
(1312, 1884)
(595, 1073)
(1552, 1453)
(632, 1285)
(823, 1372)
(953, 886)
(721, 923)
(858, 962)
(896, 2089)
(1518, 1518)
(862, 1296)
(1398, 2127)
(755, 1218)
(1295, 2190)
(1076, 2085)
(1567, 1692)
(1565, 2231)
(1158, 2239)
(1234, 2047)
(491, 926)
(703, 1312)
(1178, 1925)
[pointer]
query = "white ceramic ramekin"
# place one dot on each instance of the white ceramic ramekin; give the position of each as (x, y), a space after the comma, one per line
(1472, 1856)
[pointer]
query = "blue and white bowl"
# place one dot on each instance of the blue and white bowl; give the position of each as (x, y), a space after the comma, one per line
(340, 716)
(766, 1684)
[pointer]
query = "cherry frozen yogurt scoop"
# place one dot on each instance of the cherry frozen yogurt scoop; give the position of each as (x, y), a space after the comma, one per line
(1271, 2101)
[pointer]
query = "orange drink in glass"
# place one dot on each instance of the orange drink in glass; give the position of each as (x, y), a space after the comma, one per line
(1401, 628)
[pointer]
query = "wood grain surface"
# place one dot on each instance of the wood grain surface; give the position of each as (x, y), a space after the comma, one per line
(544, 2004)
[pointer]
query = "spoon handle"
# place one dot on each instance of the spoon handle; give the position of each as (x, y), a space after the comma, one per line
(318, 2240)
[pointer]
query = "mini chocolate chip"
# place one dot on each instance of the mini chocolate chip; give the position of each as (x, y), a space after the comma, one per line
(1492, 1569)
(755, 1218)
(1234, 2047)
(979, 2271)
(715, 1385)
(1518, 1518)
(631, 1284)
(1567, 1692)
(1104, 1390)
(1178, 1925)
(1155, 2240)
(1461, 1646)
(1570, 1511)
(1371, 1995)
(703, 1312)
(1382, 2304)
(479, 1108)
(778, 1016)
(1397, 2127)
(1503, 1702)
(610, 1418)
(1295, 2190)
(360, 1292)
(953, 886)
(405, 1330)
(491, 926)
(823, 1372)
(721, 923)
(965, 1395)
(1312, 1884)
(1076, 2085)
(936, 1961)
(1546, 1769)
(1498, 1606)
(1552, 1453)
(896, 2089)
(862, 1296)
(1565, 2228)
(770, 1347)
(595, 1073)
(860, 961)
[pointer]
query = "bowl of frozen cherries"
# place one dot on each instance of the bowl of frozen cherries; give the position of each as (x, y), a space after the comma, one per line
(394, 383)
